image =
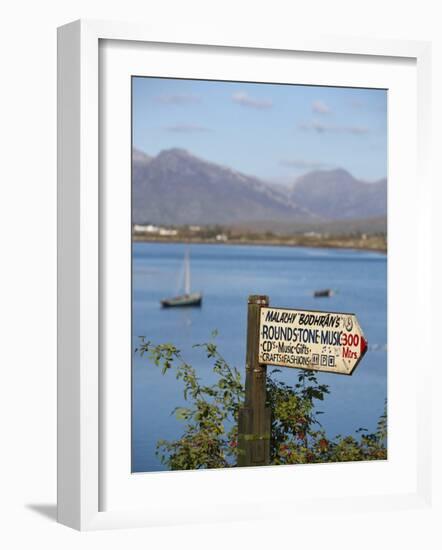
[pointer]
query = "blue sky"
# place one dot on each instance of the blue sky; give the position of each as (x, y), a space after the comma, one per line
(274, 131)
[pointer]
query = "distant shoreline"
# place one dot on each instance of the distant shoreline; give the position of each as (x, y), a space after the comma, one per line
(345, 243)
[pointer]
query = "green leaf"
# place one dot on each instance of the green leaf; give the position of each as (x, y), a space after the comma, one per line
(182, 413)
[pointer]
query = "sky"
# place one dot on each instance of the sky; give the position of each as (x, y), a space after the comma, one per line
(276, 132)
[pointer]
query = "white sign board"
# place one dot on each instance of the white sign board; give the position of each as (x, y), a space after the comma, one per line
(313, 340)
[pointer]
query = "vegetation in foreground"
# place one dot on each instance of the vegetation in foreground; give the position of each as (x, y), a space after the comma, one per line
(210, 419)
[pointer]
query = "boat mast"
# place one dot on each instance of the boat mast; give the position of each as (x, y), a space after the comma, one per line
(186, 273)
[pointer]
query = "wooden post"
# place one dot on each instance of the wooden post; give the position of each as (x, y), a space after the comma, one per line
(254, 422)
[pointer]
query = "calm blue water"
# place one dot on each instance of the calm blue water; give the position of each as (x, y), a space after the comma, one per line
(227, 275)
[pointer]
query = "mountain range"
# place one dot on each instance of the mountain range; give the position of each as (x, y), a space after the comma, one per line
(177, 188)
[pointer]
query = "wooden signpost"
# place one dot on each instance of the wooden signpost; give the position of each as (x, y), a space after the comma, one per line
(313, 340)
(254, 418)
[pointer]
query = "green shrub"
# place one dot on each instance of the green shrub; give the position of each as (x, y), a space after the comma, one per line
(210, 432)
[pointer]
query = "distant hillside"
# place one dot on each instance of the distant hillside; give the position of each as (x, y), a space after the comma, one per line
(140, 159)
(368, 226)
(336, 194)
(177, 188)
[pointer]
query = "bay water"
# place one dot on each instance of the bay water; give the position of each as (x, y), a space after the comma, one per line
(226, 275)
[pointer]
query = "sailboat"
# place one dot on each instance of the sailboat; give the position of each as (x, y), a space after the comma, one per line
(188, 298)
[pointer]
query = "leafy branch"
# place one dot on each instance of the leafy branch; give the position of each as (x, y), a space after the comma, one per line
(210, 436)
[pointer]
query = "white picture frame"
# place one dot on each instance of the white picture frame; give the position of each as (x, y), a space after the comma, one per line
(80, 437)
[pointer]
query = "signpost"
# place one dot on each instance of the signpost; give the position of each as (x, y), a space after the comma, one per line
(313, 340)
(254, 418)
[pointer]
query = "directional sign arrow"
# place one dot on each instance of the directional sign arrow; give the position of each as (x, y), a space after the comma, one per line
(313, 340)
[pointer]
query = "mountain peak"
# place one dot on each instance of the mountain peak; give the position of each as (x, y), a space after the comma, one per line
(174, 152)
(336, 194)
(324, 176)
(177, 187)
(340, 172)
(140, 156)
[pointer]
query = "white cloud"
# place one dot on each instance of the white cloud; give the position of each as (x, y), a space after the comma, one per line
(306, 164)
(177, 99)
(187, 128)
(356, 129)
(244, 99)
(320, 107)
(357, 103)
(322, 128)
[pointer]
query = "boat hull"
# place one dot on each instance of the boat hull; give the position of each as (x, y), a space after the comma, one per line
(187, 300)
(325, 293)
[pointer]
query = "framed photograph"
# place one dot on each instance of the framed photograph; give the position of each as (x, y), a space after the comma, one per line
(233, 329)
